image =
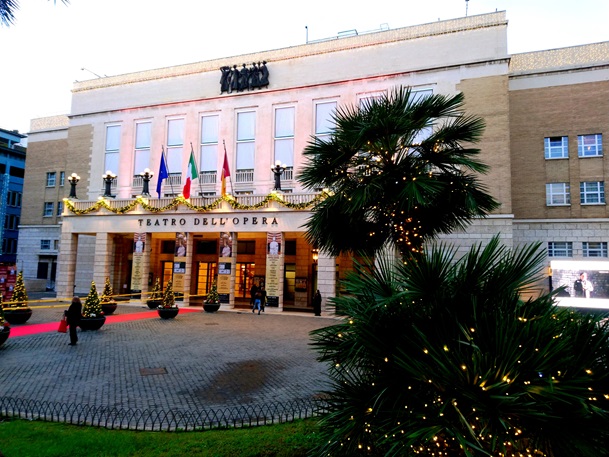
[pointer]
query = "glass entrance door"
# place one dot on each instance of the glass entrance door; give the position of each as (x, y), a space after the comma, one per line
(206, 274)
(244, 279)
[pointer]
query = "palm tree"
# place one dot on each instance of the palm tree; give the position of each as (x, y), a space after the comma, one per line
(400, 169)
(8, 8)
(442, 356)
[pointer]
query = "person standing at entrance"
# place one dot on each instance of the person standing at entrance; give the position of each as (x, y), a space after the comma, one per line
(73, 314)
(253, 291)
(317, 303)
(262, 299)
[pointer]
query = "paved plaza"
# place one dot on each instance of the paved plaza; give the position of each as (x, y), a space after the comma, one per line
(196, 361)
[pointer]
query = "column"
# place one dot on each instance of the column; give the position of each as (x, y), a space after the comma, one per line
(326, 280)
(66, 268)
(103, 261)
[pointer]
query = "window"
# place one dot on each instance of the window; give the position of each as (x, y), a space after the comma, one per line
(48, 209)
(56, 245)
(141, 156)
(590, 145)
(113, 141)
(558, 193)
(246, 146)
(560, 249)
(175, 146)
(594, 249)
(556, 147)
(209, 149)
(62, 178)
(45, 245)
(246, 247)
(592, 192)
(284, 140)
(324, 120)
(59, 208)
(51, 179)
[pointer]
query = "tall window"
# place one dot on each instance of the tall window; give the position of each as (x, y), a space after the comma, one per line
(558, 193)
(284, 140)
(175, 146)
(560, 249)
(51, 179)
(594, 249)
(48, 209)
(324, 120)
(209, 149)
(592, 192)
(556, 147)
(246, 146)
(590, 145)
(59, 208)
(62, 178)
(113, 142)
(141, 158)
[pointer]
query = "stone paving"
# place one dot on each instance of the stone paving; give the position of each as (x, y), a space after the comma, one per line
(195, 361)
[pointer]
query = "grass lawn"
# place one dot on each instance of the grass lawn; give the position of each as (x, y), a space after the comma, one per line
(20, 438)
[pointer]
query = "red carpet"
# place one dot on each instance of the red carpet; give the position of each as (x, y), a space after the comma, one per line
(32, 329)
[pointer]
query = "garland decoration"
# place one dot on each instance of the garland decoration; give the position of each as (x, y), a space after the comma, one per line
(180, 200)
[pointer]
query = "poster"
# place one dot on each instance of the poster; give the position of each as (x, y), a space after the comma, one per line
(226, 245)
(139, 245)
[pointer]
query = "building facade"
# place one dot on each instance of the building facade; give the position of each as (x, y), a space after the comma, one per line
(12, 170)
(259, 109)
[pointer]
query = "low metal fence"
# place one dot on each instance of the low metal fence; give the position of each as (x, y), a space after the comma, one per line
(159, 420)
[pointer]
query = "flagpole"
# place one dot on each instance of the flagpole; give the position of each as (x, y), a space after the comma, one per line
(192, 151)
(168, 172)
(230, 175)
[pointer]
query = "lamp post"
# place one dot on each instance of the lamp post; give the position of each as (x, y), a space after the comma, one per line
(73, 180)
(146, 177)
(108, 177)
(277, 170)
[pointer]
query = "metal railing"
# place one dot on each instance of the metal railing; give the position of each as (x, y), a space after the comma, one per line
(161, 420)
(244, 175)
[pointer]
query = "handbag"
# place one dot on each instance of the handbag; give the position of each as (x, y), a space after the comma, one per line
(63, 325)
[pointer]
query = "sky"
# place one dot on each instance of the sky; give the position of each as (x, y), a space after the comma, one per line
(50, 44)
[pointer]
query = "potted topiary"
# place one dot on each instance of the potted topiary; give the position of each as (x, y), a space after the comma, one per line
(5, 329)
(212, 301)
(16, 311)
(168, 308)
(92, 314)
(108, 303)
(156, 296)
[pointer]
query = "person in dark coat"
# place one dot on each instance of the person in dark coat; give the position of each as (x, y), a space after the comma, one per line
(73, 314)
(253, 291)
(317, 303)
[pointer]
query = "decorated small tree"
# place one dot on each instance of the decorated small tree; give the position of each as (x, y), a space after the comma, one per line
(3, 322)
(92, 306)
(156, 293)
(212, 296)
(107, 293)
(169, 300)
(19, 297)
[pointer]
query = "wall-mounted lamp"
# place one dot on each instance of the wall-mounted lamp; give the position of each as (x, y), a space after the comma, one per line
(315, 254)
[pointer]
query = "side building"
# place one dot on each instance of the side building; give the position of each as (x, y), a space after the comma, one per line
(12, 169)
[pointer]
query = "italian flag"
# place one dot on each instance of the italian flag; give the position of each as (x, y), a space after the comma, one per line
(191, 174)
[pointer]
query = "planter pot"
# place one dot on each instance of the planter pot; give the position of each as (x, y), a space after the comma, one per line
(92, 323)
(17, 316)
(4, 333)
(168, 313)
(211, 307)
(109, 307)
(154, 304)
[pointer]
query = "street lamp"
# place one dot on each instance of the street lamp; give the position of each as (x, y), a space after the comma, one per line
(108, 178)
(277, 170)
(73, 180)
(146, 176)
